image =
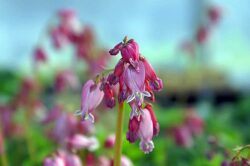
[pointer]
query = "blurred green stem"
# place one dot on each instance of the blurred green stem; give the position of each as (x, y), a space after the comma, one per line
(118, 135)
(27, 135)
(4, 160)
(3, 157)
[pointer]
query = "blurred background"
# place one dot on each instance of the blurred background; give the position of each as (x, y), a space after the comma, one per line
(200, 49)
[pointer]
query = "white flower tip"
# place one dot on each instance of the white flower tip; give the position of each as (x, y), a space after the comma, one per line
(146, 94)
(130, 98)
(90, 117)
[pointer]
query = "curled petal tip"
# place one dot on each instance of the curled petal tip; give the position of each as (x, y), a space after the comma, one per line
(89, 117)
(130, 98)
(146, 94)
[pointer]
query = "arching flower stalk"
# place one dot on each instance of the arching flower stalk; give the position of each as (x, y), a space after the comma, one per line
(136, 80)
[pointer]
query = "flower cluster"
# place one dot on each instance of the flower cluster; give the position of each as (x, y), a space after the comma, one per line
(70, 31)
(136, 79)
(212, 17)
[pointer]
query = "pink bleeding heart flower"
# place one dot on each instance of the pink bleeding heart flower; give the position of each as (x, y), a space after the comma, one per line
(62, 158)
(155, 83)
(66, 79)
(53, 161)
(108, 95)
(79, 141)
(110, 141)
(91, 98)
(129, 50)
(40, 55)
(66, 14)
(194, 122)
(144, 127)
(214, 14)
(182, 136)
(202, 34)
(135, 83)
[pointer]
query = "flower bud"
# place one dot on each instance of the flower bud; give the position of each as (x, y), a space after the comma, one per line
(202, 35)
(130, 50)
(214, 14)
(110, 142)
(108, 95)
(40, 55)
(132, 134)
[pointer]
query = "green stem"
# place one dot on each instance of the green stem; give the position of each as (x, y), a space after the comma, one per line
(28, 136)
(118, 135)
(3, 157)
(4, 160)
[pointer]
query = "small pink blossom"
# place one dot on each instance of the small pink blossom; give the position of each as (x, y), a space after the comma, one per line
(183, 136)
(62, 158)
(129, 50)
(144, 127)
(110, 141)
(40, 55)
(202, 34)
(91, 98)
(65, 79)
(214, 14)
(194, 122)
(80, 141)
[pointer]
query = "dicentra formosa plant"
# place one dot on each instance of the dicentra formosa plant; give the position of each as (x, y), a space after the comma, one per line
(136, 79)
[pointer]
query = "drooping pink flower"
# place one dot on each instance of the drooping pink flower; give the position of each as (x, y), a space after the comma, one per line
(108, 95)
(134, 81)
(8, 126)
(40, 55)
(154, 82)
(53, 114)
(194, 122)
(202, 34)
(129, 50)
(103, 161)
(62, 158)
(55, 161)
(110, 141)
(144, 127)
(57, 38)
(79, 141)
(214, 14)
(66, 79)
(91, 98)
(66, 14)
(125, 161)
(72, 160)
(182, 136)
